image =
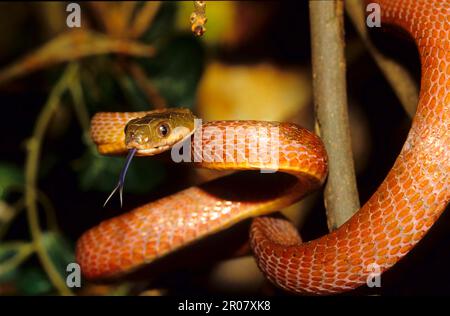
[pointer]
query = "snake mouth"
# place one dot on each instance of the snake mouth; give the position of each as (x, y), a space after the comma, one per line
(152, 151)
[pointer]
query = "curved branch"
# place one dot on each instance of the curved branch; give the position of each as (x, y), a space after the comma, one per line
(31, 170)
(398, 77)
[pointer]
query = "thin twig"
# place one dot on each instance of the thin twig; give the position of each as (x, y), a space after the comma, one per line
(80, 107)
(398, 77)
(9, 213)
(24, 251)
(19, 205)
(330, 98)
(81, 111)
(145, 84)
(49, 210)
(31, 169)
(126, 10)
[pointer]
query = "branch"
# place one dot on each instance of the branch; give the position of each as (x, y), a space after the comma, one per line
(22, 250)
(80, 108)
(330, 98)
(145, 84)
(19, 205)
(31, 170)
(398, 77)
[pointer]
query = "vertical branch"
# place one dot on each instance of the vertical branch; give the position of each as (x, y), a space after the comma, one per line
(31, 170)
(330, 98)
(80, 107)
(400, 80)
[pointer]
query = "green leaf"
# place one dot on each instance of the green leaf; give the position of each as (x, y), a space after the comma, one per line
(11, 177)
(163, 24)
(33, 281)
(176, 70)
(101, 173)
(59, 249)
(101, 87)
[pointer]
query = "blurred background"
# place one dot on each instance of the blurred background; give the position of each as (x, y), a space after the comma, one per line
(253, 62)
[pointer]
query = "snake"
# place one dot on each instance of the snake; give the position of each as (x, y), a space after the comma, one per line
(393, 220)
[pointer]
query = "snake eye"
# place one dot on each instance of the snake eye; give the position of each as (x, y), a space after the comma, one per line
(163, 129)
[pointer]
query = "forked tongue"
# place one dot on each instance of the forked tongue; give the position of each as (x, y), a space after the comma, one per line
(122, 175)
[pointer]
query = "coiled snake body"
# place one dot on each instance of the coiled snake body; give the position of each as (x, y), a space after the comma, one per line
(392, 221)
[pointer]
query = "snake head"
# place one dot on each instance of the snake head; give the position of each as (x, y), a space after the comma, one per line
(158, 131)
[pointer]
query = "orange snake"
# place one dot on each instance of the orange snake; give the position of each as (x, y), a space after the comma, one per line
(393, 220)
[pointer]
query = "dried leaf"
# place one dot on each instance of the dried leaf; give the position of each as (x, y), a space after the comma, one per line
(115, 17)
(71, 46)
(144, 18)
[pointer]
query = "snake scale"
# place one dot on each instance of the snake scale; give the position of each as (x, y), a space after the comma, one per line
(386, 228)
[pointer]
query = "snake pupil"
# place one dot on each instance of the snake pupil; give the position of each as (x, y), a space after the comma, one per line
(163, 130)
